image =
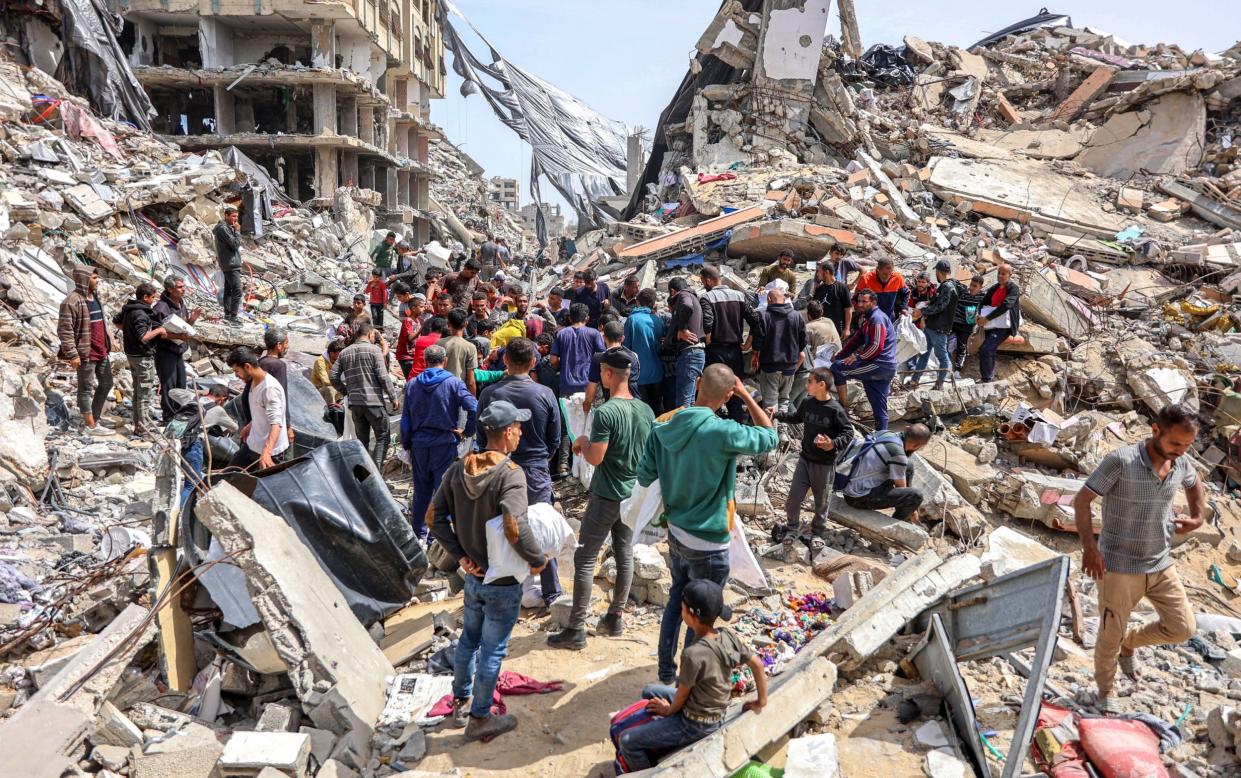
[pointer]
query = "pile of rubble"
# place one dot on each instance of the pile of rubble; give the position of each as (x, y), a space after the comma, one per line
(464, 212)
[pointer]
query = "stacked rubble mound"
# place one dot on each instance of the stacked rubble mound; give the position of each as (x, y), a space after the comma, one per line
(464, 212)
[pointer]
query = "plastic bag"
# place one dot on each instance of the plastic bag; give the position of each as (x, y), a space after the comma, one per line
(552, 534)
(911, 342)
(578, 423)
(640, 511)
(743, 566)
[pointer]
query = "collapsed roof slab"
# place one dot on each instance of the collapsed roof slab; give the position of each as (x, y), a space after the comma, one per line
(763, 241)
(1164, 137)
(347, 83)
(298, 142)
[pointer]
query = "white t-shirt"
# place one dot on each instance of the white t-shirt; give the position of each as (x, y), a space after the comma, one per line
(266, 409)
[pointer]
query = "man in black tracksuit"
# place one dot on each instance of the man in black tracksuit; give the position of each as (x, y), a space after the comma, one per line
(725, 313)
(826, 431)
(937, 319)
(228, 252)
(781, 351)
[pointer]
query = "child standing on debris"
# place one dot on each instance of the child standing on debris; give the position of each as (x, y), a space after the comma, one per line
(138, 329)
(377, 293)
(695, 707)
(475, 489)
(964, 320)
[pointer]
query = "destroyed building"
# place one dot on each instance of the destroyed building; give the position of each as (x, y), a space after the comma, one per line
(322, 95)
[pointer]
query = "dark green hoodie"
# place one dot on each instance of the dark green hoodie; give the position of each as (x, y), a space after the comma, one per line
(694, 456)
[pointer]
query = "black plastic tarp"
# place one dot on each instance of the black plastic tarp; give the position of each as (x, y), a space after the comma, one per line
(340, 507)
(1042, 19)
(881, 64)
(96, 58)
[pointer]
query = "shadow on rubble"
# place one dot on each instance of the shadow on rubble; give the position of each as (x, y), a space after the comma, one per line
(556, 723)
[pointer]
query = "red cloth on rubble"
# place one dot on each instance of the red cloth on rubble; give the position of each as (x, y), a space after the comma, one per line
(508, 683)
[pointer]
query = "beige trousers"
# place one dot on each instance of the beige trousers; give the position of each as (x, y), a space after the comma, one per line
(1118, 594)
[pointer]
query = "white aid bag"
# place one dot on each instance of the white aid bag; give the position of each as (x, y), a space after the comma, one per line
(910, 341)
(552, 534)
(640, 509)
(743, 566)
(578, 422)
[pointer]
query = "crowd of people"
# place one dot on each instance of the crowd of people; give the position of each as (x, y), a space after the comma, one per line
(480, 374)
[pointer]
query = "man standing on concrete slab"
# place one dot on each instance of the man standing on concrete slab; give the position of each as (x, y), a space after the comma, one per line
(228, 253)
(1132, 558)
(869, 355)
(138, 329)
(474, 490)
(489, 256)
(937, 318)
(686, 338)
(264, 439)
(617, 441)
(999, 318)
(781, 269)
(884, 471)
(85, 343)
(725, 314)
(360, 375)
(540, 434)
(170, 348)
(429, 432)
(780, 351)
(644, 332)
(694, 456)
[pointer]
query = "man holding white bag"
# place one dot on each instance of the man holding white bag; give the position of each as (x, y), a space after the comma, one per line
(475, 489)
(999, 319)
(616, 442)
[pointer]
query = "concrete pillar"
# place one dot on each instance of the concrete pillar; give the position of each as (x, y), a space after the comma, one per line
(366, 124)
(323, 44)
(244, 112)
(634, 161)
(403, 187)
(293, 178)
(400, 98)
(390, 187)
(349, 167)
(215, 41)
(325, 109)
(225, 112)
(424, 151)
(327, 171)
(349, 116)
(290, 116)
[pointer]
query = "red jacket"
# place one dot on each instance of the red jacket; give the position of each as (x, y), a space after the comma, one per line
(377, 291)
(411, 328)
(420, 349)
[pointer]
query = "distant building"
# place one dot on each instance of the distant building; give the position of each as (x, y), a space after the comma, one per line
(551, 213)
(505, 192)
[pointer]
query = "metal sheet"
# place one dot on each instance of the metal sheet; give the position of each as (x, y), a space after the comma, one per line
(936, 663)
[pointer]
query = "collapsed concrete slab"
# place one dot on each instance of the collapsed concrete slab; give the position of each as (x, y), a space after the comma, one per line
(763, 241)
(1164, 137)
(337, 670)
(878, 527)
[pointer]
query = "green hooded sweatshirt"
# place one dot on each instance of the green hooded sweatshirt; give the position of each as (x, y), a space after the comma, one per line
(694, 456)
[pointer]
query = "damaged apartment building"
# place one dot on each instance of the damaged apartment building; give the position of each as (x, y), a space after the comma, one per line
(322, 95)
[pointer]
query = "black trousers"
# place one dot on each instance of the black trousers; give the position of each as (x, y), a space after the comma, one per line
(170, 367)
(962, 336)
(652, 395)
(368, 419)
(377, 315)
(232, 292)
(902, 499)
(730, 354)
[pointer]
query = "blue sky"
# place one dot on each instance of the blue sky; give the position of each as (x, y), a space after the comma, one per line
(625, 59)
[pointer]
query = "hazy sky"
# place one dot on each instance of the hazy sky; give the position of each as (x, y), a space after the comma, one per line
(625, 58)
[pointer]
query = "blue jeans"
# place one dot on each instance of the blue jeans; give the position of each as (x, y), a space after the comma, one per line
(938, 343)
(490, 613)
(690, 363)
(539, 489)
(428, 464)
(986, 354)
(642, 746)
(191, 470)
(687, 565)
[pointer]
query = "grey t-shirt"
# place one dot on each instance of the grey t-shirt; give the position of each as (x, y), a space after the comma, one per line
(707, 665)
(1136, 537)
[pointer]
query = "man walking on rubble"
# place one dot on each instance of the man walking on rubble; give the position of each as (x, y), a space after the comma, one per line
(360, 375)
(694, 456)
(429, 432)
(85, 343)
(170, 348)
(725, 314)
(1132, 558)
(937, 318)
(138, 329)
(228, 253)
(617, 440)
(999, 318)
(779, 352)
(888, 287)
(869, 355)
(883, 473)
(475, 489)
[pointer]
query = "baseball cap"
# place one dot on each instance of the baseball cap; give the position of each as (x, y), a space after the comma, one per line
(705, 599)
(419, 296)
(619, 358)
(501, 414)
(944, 265)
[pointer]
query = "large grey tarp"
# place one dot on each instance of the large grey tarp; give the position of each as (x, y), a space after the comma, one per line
(238, 159)
(90, 29)
(581, 152)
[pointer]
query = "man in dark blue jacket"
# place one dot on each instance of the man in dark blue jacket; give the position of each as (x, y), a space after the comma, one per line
(429, 428)
(779, 351)
(540, 435)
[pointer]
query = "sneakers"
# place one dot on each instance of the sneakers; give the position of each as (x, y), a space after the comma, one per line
(490, 727)
(572, 639)
(460, 716)
(610, 626)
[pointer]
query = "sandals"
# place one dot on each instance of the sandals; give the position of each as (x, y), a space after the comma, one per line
(1129, 666)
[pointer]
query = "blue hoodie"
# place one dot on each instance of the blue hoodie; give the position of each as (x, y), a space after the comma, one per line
(433, 402)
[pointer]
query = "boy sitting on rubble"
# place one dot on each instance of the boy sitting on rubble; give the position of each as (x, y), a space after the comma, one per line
(695, 707)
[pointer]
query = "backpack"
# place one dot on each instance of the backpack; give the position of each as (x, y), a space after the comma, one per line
(627, 718)
(851, 458)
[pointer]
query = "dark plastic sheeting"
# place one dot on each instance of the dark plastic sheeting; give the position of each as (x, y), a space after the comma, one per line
(342, 510)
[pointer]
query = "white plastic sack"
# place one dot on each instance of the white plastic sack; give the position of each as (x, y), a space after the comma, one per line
(640, 509)
(552, 534)
(743, 565)
(910, 340)
(578, 421)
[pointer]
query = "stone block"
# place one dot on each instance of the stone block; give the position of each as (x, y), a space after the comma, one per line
(113, 728)
(335, 769)
(248, 752)
(1009, 550)
(812, 756)
(648, 563)
(283, 716)
(191, 752)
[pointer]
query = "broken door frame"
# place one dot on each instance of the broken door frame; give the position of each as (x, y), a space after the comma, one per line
(997, 618)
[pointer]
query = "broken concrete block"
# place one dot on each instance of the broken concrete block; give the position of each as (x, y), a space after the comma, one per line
(310, 623)
(1009, 550)
(110, 757)
(648, 563)
(248, 752)
(86, 202)
(1166, 136)
(283, 716)
(1130, 199)
(944, 765)
(335, 769)
(1083, 95)
(113, 728)
(879, 527)
(1231, 664)
(191, 752)
(1221, 725)
(812, 756)
(970, 477)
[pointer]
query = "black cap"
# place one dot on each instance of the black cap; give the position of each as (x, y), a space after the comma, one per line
(619, 358)
(705, 599)
(944, 265)
(501, 414)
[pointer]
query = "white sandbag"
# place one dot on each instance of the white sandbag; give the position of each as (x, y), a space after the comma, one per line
(911, 341)
(552, 534)
(743, 566)
(639, 511)
(578, 422)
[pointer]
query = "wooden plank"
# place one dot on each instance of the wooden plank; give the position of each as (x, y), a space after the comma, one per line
(665, 243)
(409, 630)
(176, 634)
